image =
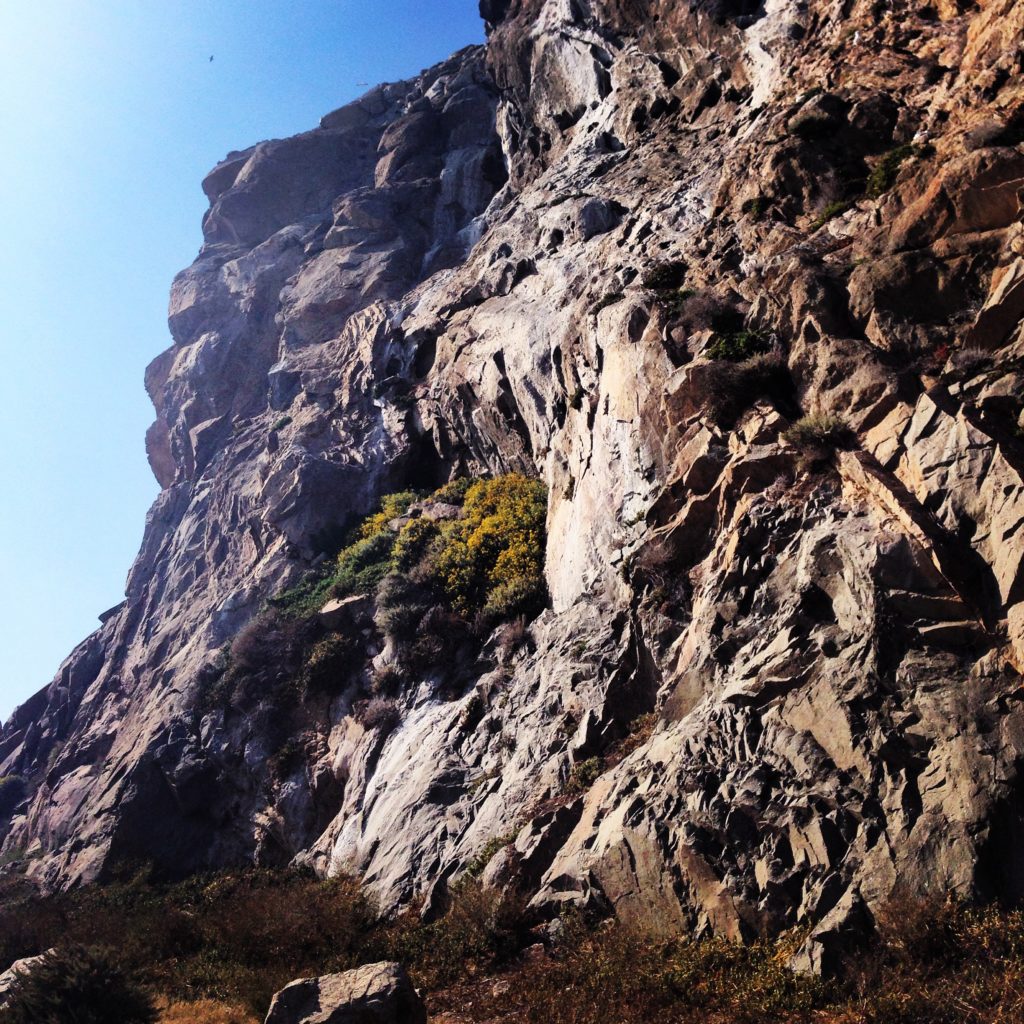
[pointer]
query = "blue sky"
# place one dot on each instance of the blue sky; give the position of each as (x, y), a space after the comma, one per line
(111, 113)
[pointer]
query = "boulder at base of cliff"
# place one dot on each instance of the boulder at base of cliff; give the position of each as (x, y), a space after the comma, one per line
(375, 994)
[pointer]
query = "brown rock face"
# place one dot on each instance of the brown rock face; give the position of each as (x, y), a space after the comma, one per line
(478, 271)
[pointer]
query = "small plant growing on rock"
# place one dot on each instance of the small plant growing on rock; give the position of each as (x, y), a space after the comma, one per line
(290, 757)
(819, 432)
(706, 310)
(400, 606)
(379, 713)
(513, 636)
(12, 792)
(363, 565)
(392, 506)
(465, 559)
(966, 362)
(475, 868)
(885, 172)
(583, 775)
(811, 123)
(830, 212)
(454, 492)
(757, 206)
(667, 276)
(387, 681)
(732, 387)
(75, 985)
(737, 346)
(413, 542)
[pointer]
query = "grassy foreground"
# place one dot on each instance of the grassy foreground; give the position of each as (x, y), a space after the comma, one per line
(214, 950)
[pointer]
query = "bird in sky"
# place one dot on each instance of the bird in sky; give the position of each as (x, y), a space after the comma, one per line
(211, 59)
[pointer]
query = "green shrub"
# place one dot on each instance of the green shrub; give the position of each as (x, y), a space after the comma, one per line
(517, 597)
(665, 276)
(413, 542)
(583, 775)
(475, 868)
(363, 565)
(307, 598)
(819, 432)
(12, 792)
(757, 206)
(331, 662)
(832, 210)
(392, 506)
(737, 346)
(284, 421)
(675, 303)
(400, 607)
(75, 986)
(492, 554)
(884, 174)
(731, 388)
(431, 580)
(453, 492)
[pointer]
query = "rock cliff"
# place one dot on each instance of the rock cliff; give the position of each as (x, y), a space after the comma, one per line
(743, 285)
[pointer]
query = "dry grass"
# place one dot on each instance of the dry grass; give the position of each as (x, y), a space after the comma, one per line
(819, 432)
(204, 1011)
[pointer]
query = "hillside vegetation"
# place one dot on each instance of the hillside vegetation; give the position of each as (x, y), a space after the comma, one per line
(215, 949)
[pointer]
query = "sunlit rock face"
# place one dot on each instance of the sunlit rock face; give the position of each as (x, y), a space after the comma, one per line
(478, 271)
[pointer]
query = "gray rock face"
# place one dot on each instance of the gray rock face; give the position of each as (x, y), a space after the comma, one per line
(454, 275)
(375, 994)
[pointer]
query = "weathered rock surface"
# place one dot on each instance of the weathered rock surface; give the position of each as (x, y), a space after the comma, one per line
(375, 994)
(18, 969)
(448, 277)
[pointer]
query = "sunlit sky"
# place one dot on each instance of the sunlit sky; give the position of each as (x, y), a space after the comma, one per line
(111, 113)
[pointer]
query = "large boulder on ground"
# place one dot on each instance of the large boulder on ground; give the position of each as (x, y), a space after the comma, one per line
(376, 994)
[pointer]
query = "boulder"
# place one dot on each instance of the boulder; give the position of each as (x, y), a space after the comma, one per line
(339, 613)
(375, 994)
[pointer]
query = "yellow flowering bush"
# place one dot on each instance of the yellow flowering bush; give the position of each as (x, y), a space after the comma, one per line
(487, 560)
(496, 550)
(392, 506)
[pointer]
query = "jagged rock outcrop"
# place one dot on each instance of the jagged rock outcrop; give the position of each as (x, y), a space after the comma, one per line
(478, 271)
